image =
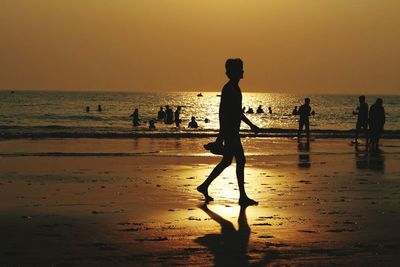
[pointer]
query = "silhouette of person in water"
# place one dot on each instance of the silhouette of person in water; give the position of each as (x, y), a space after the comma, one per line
(177, 116)
(135, 117)
(250, 110)
(152, 126)
(193, 124)
(87, 109)
(270, 110)
(230, 117)
(99, 109)
(295, 111)
(304, 113)
(230, 246)
(169, 114)
(376, 122)
(161, 114)
(362, 119)
(260, 109)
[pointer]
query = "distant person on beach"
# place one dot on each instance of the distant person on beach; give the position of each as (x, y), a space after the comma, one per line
(152, 126)
(193, 124)
(169, 115)
(161, 114)
(362, 119)
(260, 110)
(304, 113)
(270, 110)
(177, 116)
(377, 120)
(230, 117)
(135, 117)
(99, 109)
(87, 109)
(250, 111)
(295, 111)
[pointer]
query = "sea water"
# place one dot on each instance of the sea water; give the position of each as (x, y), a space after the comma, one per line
(42, 114)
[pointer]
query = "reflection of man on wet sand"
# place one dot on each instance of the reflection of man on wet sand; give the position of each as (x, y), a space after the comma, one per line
(230, 246)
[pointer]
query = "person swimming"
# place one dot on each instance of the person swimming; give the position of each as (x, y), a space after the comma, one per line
(193, 124)
(135, 117)
(260, 109)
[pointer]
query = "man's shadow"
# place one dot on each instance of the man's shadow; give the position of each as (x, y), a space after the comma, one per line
(230, 246)
(304, 155)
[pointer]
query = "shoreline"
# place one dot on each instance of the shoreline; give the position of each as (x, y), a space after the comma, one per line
(182, 133)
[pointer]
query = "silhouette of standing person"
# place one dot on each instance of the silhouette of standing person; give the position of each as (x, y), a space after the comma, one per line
(304, 112)
(270, 110)
(177, 116)
(135, 117)
(169, 114)
(376, 122)
(99, 109)
(362, 119)
(161, 114)
(230, 117)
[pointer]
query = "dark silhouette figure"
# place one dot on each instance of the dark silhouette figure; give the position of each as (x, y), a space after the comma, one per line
(152, 126)
(177, 116)
(99, 109)
(376, 122)
(260, 110)
(193, 124)
(270, 110)
(304, 113)
(169, 115)
(87, 109)
(362, 119)
(304, 155)
(161, 114)
(244, 109)
(295, 111)
(230, 117)
(230, 246)
(250, 111)
(206, 120)
(135, 117)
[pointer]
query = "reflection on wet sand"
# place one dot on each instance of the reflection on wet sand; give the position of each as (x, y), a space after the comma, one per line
(230, 246)
(304, 155)
(372, 160)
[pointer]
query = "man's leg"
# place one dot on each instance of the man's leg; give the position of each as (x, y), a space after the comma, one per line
(225, 162)
(308, 130)
(301, 124)
(240, 163)
(358, 127)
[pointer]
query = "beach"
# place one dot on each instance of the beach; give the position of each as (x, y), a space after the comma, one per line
(133, 202)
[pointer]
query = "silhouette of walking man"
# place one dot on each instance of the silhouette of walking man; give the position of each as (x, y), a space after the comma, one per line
(230, 117)
(362, 119)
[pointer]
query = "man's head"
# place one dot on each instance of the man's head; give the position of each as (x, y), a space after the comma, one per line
(234, 68)
(307, 101)
(379, 102)
(361, 98)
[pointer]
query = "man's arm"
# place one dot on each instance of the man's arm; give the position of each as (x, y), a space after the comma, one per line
(253, 127)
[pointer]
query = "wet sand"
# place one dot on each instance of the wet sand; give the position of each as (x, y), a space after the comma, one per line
(105, 202)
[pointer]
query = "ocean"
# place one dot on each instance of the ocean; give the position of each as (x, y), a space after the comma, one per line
(63, 114)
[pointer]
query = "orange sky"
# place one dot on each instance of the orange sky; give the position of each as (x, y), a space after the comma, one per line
(307, 46)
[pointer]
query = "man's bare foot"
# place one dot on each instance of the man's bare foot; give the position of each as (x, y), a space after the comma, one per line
(204, 191)
(245, 201)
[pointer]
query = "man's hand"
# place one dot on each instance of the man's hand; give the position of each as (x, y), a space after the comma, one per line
(255, 129)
